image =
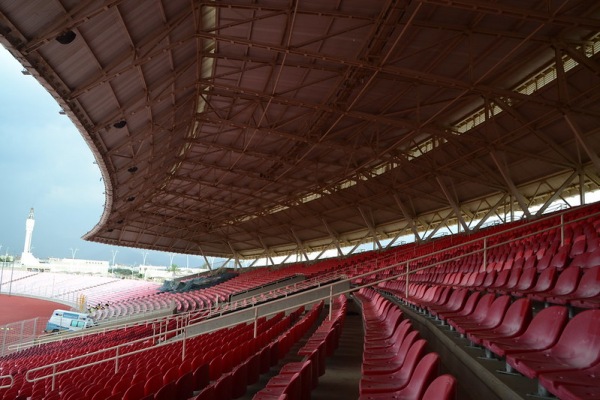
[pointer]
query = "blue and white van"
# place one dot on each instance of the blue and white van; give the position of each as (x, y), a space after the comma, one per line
(62, 320)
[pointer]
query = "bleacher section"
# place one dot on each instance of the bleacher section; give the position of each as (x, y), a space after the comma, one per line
(526, 295)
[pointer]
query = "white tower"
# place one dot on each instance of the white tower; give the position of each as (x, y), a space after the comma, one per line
(29, 224)
(27, 257)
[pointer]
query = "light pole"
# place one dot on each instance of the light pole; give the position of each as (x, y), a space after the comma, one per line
(2, 271)
(144, 255)
(12, 271)
(114, 254)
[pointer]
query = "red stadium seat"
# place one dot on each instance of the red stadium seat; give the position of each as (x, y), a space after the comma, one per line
(560, 383)
(526, 281)
(478, 314)
(394, 362)
(511, 282)
(467, 308)
(577, 348)
(491, 319)
(442, 388)
(543, 332)
(587, 294)
(185, 386)
(135, 391)
(153, 383)
(545, 281)
(166, 392)
(398, 379)
(383, 345)
(513, 323)
(423, 375)
(565, 284)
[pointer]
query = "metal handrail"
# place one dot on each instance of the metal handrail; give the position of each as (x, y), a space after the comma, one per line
(185, 329)
(64, 335)
(182, 330)
(10, 378)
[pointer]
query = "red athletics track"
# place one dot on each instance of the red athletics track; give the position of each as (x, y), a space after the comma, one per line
(16, 308)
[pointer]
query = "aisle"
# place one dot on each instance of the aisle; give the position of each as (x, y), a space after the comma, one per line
(344, 368)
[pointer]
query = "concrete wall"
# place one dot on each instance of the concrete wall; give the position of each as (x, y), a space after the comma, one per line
(288, 303)
(266, 288)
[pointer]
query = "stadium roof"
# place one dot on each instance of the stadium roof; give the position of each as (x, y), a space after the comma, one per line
(260, 128)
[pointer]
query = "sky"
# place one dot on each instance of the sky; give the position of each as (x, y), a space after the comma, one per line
(45, 164)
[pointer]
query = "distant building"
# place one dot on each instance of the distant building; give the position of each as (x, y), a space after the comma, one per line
(71, 265)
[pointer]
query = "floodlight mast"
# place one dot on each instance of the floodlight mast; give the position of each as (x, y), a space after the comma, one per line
(114, 255)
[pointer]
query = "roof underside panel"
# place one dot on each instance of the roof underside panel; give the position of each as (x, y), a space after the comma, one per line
(251, 128)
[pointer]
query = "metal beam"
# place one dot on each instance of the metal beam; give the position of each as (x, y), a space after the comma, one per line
(511, 185)
(582, 140)
(453, 204)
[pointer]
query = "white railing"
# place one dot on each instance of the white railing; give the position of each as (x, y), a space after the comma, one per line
(4, 378)
(125, 323)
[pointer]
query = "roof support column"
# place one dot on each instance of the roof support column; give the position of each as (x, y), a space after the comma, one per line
(557, 193)
(491, 211)
(409, 218)
(437, 228)
(581, 187)
(205, 259)
(267, 255)
(511, 185)
(452, 204)
(371, 228)
(299, 243)
(582, 140)
(236, 257)
(334, 236)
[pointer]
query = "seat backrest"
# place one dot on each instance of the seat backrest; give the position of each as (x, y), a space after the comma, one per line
(166, 392)
(405, 346)
(443, 297)
(567, 281)
(135, 391)
(401, 330)
(589, 285)
(470, 304)
(479, 278)
(579, 344)
(413, 355)
(496, 311)
(171, 375)
(185, 385)
(490, 278)
(517, 317)
(545, 327)
(560, 259)
(483, 306)
(527, 279)
(513, 279)
(501, 278)
(422, 376)
(457, 298)
(442, 388)
(546, 280)
(153, 384)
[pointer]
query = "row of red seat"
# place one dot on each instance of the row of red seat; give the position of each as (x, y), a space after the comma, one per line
(159, 371)
(394, 361)
(233, 384)
(563, 353)
(574, 285)
(296, 380)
